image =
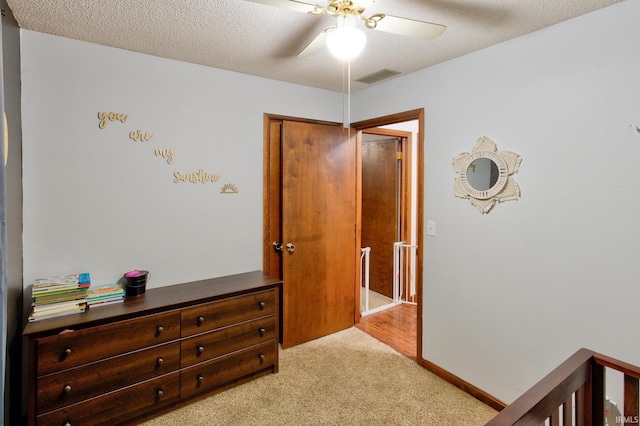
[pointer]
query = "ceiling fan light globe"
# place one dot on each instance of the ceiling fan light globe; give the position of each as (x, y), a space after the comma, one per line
(346, 41)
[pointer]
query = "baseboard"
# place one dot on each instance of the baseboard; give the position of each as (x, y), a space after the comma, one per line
(477, 393)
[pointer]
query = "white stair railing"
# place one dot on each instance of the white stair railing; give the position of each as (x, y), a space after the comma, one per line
(404, 277)
(404, 271)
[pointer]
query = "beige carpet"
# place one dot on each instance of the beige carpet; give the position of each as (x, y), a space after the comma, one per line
(347, 378)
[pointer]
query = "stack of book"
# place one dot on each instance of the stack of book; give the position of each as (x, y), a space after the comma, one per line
(105, 294)
(58, 296)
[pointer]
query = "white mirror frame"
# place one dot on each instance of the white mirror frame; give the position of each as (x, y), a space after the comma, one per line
(504, 189)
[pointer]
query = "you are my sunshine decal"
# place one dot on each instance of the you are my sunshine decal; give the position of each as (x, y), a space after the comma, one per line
(168, 154)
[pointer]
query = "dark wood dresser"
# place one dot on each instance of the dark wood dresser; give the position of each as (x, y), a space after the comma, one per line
(126, 362)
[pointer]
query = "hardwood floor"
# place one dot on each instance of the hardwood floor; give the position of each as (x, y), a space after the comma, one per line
(395, 327)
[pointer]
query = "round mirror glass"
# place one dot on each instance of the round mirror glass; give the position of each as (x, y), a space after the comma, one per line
(482, 174)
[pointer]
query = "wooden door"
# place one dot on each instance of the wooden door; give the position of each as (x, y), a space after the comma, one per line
(318, 218)
(380, 209)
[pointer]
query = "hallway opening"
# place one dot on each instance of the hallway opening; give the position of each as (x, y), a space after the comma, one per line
(391, 215)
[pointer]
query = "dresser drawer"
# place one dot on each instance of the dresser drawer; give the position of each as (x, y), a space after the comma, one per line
(116, 407)
(221, 313)
(203, 347)
(209, 375)
(131, 362)
(73, 348)
(84, 382)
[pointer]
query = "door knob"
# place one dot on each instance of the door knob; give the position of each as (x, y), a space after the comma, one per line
(290, 247)
(277, 245)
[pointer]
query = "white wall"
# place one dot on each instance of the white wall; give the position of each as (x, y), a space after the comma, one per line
(559, 273)
(96, 201)
(511, 294)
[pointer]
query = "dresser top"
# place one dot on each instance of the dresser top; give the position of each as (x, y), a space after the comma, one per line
(157, 300)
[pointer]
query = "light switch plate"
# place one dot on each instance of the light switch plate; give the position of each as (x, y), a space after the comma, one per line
(431, 228)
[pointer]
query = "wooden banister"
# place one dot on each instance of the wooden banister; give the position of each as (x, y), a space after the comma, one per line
(621, 366)
(631, 383)
(539, 403)
(631, 388)
(578, 383)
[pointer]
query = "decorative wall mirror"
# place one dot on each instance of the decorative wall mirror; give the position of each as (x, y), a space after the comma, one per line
(485, 175)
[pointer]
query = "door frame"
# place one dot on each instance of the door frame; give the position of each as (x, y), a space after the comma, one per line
(272, 179)
(359, 127)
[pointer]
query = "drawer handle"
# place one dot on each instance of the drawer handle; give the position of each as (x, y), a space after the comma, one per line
(67, 352)
(67, 423)
(159, 392)
(200, 378)
(262, 331)
(200, 349)
(159, 361)
(262, 305)
(67, 388)
(261, 356)
(159, 330)
(200, 320)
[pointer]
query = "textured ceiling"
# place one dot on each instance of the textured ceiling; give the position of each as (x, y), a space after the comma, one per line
(264, 40)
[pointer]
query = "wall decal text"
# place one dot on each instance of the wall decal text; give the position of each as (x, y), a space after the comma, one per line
(139, 135)
(168, 154)
(196, 177)
(110, 116)
(165, 153)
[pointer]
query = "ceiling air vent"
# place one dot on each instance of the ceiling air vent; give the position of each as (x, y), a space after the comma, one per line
(378, 76)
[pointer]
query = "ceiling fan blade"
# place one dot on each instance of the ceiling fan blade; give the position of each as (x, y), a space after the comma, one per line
(410, 27)
(317, 44)
(287, 4)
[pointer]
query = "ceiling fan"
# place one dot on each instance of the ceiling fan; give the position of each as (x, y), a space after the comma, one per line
(344, 40)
